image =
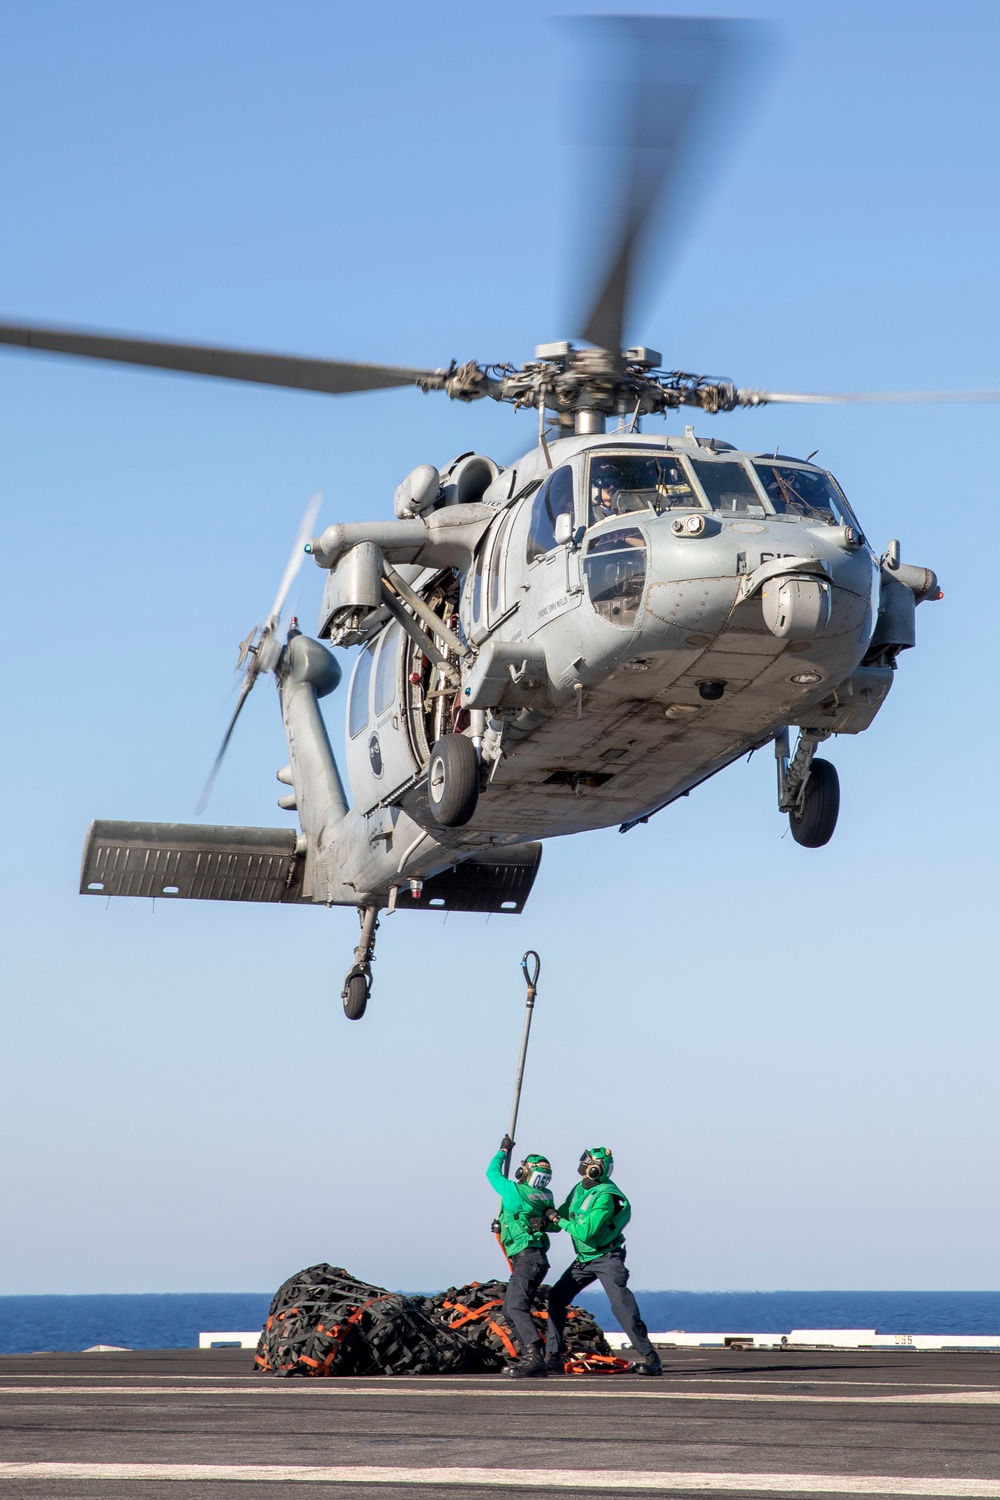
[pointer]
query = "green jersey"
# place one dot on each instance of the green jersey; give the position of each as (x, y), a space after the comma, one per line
(522, 1211)
(594, 1216)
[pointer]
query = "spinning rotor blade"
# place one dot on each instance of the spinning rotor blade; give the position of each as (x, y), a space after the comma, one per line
(801, 398)
(263, 655)
(296, 556)
(658, 94)
(332, 376)
(206, 790)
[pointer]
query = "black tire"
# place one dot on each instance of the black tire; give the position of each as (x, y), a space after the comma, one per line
(814, 826)
(453, 781)
(356, 992)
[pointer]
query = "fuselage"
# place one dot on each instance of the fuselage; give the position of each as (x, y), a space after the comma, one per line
(694, 601)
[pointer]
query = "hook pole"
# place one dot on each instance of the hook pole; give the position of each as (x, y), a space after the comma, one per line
(531, 966)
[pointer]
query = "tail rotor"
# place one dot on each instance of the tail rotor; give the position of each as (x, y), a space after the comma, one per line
(260, 649)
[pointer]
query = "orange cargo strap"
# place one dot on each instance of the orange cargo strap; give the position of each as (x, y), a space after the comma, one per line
(471, 1314)
(597, 1364)
(502, 1335)
(476, 1315)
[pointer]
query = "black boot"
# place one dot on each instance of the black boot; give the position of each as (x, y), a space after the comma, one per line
(530, 1366)
(555, 1364)
(649, 1366)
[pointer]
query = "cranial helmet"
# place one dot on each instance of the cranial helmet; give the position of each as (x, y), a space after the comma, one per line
(596, 1165)
(534, 1172)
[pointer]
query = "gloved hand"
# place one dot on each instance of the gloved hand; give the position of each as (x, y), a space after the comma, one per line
(506, 1144)
(552, 1216)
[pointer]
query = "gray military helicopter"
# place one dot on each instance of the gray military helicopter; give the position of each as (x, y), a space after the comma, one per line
(562, 643)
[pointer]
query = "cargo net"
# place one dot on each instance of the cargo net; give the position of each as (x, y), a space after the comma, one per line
(475, 1312)
(324, 1321)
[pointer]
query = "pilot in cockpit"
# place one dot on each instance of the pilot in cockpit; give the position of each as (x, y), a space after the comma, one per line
(605, 489)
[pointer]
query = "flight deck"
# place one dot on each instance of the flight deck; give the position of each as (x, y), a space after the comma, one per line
(179, 1424)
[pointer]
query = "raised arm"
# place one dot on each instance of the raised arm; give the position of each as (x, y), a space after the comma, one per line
(509, 1195)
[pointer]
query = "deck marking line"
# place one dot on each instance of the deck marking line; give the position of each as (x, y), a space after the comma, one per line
(530, 1479)
(333, 1387)
(454, 1382)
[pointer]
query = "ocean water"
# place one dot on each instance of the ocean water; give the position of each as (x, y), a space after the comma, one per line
(150, 1321)
(174, 1321)
(780, 1312)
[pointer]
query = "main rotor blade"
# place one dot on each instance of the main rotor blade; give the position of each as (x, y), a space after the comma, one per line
(803, 398)
(332, 376)
(296, 556)
(657, 97)
(245, 687)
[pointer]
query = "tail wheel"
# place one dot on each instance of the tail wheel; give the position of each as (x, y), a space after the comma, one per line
(453, 781)
(813, 826)
(356, 992)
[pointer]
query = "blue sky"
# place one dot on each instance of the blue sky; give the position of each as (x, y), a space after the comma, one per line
(792, 1052)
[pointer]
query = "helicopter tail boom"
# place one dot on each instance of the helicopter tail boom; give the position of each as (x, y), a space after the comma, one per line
(198, 862)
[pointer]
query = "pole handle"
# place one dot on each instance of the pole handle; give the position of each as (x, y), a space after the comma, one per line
(531, 967)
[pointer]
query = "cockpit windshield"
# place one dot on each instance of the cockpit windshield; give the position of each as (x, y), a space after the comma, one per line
(622, 483)
(808, 493)
(728, 487)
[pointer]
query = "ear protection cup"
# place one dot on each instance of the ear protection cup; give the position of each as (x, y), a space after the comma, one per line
(532, 1164)
(593, 1173)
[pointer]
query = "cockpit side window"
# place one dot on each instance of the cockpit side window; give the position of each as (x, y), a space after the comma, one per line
(555, 498)
(728, 487)
(809, 493)
(623, 483)
(357, 714)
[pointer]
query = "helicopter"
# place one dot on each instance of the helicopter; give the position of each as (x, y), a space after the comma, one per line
(561, 643)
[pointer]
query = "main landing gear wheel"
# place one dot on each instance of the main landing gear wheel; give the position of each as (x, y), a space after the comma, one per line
(813, 823)
(358, 984)
(355, 996)
(453, 781)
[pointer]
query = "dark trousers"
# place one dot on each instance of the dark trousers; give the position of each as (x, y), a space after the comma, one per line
(611, 1272)
(527, 1272)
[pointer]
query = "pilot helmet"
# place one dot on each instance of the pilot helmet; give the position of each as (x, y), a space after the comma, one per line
(605, 474)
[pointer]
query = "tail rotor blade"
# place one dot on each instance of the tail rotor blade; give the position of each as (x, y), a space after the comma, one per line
(261, 652)
(296, 556)
(245, 687)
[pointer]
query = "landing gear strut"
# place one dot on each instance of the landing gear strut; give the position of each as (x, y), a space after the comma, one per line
(358, 984)
(808, 788)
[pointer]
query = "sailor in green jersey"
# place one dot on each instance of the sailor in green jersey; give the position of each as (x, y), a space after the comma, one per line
(594, 1216)
(524, 1204)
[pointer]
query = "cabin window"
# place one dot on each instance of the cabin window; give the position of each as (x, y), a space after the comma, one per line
(615, 570)
(728, 487)
(357, 713)
(808, 493)
(385, 672)
(620, 484)
(555, 498)
(496, 564)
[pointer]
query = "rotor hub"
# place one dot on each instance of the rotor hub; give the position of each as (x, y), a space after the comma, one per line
(566, 381)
